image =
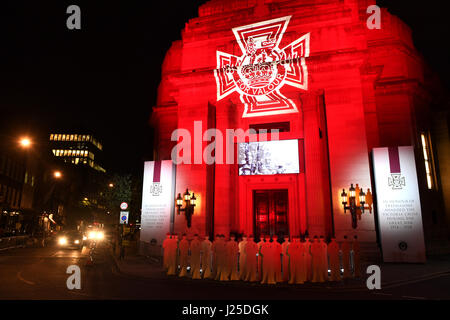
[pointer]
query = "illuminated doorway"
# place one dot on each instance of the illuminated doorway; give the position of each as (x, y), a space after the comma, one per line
(270, 211)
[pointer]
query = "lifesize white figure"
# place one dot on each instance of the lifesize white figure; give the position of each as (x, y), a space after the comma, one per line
(356, 257)
(206, 258)
(285, 259)
(214, 256)
(308, 258)
(251, 260)
(172, 254)
(277, 259)
(268, 262)
(324, 259)
(165, 245)
(224, 265)
(242, 258)
(345, 247)
(184, 256)
(260, 258)
(316, 261)
(335, 264)
(232, 258)
(195, 248)
(293, 251)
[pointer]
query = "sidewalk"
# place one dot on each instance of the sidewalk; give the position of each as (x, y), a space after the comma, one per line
(392, 274)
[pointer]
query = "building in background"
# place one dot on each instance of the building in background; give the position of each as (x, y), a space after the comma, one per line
(78, 149)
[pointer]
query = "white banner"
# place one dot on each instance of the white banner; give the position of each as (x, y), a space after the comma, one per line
(158, 199)
(398, 204)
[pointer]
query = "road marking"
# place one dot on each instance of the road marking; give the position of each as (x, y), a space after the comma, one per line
(19, 276)
(383, 294)
(416, 298)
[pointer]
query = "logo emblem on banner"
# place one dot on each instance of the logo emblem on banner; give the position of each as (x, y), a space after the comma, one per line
(156, 189)
(264, 68)
(396, 181)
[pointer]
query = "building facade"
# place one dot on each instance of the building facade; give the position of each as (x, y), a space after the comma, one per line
(78, 149)
(314, 71)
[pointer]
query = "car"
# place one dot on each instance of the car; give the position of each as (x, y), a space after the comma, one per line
(70, 239)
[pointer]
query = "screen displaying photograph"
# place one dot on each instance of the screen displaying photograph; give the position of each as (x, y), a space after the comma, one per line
(268, 157)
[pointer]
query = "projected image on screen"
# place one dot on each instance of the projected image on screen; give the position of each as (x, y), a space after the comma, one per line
(268, 157)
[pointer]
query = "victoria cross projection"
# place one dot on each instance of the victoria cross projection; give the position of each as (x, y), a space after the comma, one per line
(264, 68)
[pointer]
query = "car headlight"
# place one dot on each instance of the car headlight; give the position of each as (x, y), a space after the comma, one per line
(92, 235)
(84, 238)
(100, 235)
(62, 240)
(77, 241)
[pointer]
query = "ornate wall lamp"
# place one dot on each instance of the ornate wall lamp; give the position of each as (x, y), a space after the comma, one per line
(356, 200)
(189, 205)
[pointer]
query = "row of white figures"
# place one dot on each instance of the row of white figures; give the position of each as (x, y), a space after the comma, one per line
(266, 261)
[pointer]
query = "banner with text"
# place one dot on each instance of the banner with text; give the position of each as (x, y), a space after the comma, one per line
(158, 197)
(398, 203)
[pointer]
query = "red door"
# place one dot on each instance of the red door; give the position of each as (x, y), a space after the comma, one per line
(270, 210)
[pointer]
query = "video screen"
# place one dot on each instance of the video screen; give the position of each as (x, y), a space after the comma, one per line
(268, 157)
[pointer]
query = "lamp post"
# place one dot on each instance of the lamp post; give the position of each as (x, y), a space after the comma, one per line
(352, 206)
(189, 205)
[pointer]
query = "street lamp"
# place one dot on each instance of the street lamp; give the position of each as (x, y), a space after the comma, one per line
(354, 206)
(189, 205)
(111, 185)
(25, 142)
(57, 174)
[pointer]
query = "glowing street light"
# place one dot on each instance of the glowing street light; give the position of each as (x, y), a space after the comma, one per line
(111, 185)
(57, 174)
(25, 142)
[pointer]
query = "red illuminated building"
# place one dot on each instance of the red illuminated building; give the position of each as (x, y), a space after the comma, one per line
(315, 71)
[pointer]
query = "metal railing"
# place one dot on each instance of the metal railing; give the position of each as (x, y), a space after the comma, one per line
(13, 242)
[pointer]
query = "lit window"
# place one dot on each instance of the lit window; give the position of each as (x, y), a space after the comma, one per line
(63, 137)
(51, 137)
(59, 137)
(429, 170)
(66, 152)
(84, 138)
(77, 160)
(71, 137)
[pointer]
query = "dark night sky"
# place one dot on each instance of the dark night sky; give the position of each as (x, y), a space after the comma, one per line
(103, 78)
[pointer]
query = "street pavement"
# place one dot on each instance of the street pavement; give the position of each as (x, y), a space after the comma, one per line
(40, 274)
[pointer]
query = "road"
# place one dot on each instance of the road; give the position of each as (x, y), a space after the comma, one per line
(40, 273)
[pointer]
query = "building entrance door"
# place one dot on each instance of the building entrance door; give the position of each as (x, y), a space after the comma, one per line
(270, 211)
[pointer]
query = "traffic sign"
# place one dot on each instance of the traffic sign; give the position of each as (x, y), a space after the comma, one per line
(124, 217)
(124, 206)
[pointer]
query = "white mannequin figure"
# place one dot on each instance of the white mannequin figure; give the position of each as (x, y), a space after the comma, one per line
(356, 258)
(195, 248)
(308, 258)
(335, 265)
(251, 262)
(277, 259)
(166, 245)
(232, 258)
(224, 266)
(324, 259)
(260, 258)
(345, 247)
(316, 261)
(172, 254)
(184, 256)
(294, 252)
(285, 259)
(206, 258)
(242, 258)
